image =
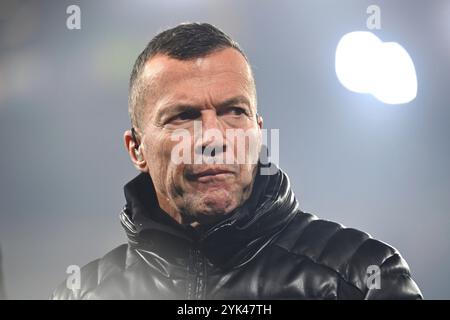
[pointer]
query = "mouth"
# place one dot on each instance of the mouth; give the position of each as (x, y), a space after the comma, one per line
(211, 174)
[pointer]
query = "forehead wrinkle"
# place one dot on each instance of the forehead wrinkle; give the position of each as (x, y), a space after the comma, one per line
(210, 98)
(161, 70)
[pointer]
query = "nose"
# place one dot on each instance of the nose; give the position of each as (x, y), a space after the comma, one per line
(211, 141)
(210, 120)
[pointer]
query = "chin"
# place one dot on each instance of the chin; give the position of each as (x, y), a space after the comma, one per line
(217, 206)
(216, 203)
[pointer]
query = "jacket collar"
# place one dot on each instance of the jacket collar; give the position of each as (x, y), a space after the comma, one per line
(229, 243)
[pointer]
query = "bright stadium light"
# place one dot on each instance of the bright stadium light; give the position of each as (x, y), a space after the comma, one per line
(365, 64)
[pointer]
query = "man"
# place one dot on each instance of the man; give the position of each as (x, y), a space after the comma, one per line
(215, 230)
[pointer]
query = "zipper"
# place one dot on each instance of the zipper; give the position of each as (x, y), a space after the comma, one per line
(197, 275)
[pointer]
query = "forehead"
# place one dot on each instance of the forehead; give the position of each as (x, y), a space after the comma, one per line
(222, 73)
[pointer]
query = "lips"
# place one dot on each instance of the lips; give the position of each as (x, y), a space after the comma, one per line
(210, 173)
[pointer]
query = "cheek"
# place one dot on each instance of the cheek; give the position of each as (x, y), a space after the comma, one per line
(246, 149)
(246, 173)
(169, 172)
(158, 160)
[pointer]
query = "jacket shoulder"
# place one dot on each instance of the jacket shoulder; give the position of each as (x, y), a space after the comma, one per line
(352, 254)
(92, 274)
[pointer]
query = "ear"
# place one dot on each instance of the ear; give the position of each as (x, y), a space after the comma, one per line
(259, 120)
(135, 152)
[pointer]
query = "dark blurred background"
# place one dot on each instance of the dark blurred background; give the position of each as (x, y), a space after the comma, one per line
(352, 159)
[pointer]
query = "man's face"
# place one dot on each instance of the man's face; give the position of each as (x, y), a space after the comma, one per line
(212, 94)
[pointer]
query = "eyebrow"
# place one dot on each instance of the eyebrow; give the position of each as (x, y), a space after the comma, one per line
(181, 107)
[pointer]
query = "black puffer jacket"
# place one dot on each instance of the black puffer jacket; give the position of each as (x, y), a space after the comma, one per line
(267, 249)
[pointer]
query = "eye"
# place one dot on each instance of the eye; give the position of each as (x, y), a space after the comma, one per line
(235, 111)
(186, 115)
